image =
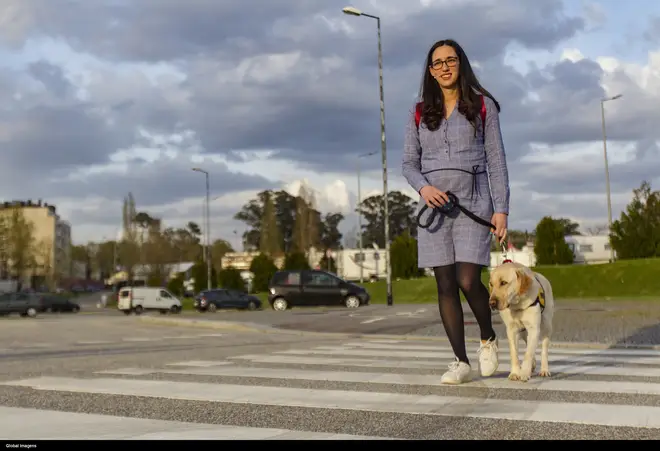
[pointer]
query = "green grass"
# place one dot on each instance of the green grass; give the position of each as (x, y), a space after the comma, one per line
(623, 280)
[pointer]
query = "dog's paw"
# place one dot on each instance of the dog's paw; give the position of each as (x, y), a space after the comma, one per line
(544, 373)
(525, 373)
(514, 376)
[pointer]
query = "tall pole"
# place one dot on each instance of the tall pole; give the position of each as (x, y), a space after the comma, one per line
(206, 213)
(359, 212)
(388, 267)
(607, 170)
(208, 234)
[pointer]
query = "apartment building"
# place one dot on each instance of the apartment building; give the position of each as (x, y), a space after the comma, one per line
(51, 241)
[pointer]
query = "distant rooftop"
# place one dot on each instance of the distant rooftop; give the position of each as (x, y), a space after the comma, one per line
(27, 204)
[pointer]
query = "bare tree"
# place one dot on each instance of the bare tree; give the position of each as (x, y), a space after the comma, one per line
(19, 241)
(129, 250)
(43, 260)
(597, 229)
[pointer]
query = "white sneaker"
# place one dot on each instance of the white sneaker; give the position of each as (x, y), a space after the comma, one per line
(459, 372)
(488, 361)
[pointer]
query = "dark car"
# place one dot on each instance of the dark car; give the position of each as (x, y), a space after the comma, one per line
(219, 298)
(313, 288)
(54, 303)
(25, 304)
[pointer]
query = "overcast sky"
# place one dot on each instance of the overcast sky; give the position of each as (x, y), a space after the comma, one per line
(102, 97)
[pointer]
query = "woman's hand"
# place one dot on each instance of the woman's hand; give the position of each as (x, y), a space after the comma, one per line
(499, 220)
(433, 196)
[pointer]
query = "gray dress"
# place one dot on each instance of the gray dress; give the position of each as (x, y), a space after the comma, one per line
(453, 159)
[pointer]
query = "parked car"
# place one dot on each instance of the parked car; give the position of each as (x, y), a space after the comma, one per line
(313, 288)
(139, 299)
(52, 303)
(211, 300)
(25, 304)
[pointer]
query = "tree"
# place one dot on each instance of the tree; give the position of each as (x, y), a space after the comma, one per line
(551, 247)
(636, 234)
(19, 243)
(263, 267)
(270, 240)
(329, 230)
(175, 285)
(230, 278)
(199, 273)
(569, 227)
(404, 257)
(296, 261)
(328, 264)
(129, 250)
(307, 222)
(218, 250)
(43, 262)
(286, 207)
(402, 217)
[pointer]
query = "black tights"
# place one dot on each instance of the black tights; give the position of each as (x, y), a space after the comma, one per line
(467, 277)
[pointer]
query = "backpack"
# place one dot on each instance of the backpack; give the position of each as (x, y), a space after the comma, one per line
(418, 113)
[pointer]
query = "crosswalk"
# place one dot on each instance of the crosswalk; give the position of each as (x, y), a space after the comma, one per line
(615, 388)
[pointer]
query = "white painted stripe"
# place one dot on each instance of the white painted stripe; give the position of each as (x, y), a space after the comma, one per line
(93, 342)
(200, 363)
(212, 335)
(19, 424)
(337, 350)
(184, 337)
(514, 410)
(373, 320)
(633, 353)
(128, 371)
(503, 367)
(294, 360)
(536, 383)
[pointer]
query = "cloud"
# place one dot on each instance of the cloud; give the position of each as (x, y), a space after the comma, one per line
(100, 100)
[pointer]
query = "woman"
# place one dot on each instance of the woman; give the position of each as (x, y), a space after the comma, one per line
(452, 150)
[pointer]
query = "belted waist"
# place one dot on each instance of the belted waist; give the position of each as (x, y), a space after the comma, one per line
(474, 173)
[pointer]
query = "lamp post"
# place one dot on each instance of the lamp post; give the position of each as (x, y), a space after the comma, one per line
(207, 226)
(388, 268)
(359, 202)
(607, 168)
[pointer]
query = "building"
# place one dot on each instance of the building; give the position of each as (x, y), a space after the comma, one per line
(590, 249)
(587, 250)
(243, 260)
(51, 241)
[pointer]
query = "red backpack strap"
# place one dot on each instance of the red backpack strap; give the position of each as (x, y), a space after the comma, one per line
(418, 113)
(483, 114)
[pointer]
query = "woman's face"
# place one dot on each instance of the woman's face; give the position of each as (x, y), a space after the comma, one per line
(444, 66)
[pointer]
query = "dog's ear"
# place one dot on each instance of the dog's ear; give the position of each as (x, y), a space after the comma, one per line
(524, 282)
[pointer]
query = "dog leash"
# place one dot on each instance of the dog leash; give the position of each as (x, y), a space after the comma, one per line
(505, 253)
(447, 208)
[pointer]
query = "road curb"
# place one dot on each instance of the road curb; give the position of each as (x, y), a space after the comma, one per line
(258, 328)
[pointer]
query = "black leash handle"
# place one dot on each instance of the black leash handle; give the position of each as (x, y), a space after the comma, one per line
(447, 208)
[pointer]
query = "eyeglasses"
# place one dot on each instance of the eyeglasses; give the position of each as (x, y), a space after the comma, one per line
(451, 62)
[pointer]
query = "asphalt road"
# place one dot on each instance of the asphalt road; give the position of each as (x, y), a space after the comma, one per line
(114, 377)
(613, 323)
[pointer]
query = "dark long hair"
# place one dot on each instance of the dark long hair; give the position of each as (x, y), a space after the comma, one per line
(469, 101)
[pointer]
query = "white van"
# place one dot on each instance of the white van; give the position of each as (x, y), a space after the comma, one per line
(139, 299)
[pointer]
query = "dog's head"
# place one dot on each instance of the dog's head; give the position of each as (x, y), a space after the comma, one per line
(508, 285)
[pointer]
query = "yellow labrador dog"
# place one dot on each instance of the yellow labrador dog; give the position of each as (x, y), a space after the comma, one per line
(526, 305)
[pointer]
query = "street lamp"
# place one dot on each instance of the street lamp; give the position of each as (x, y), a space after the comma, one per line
(359, 202)
(607, 168)
(351, 11)
(207, 226)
